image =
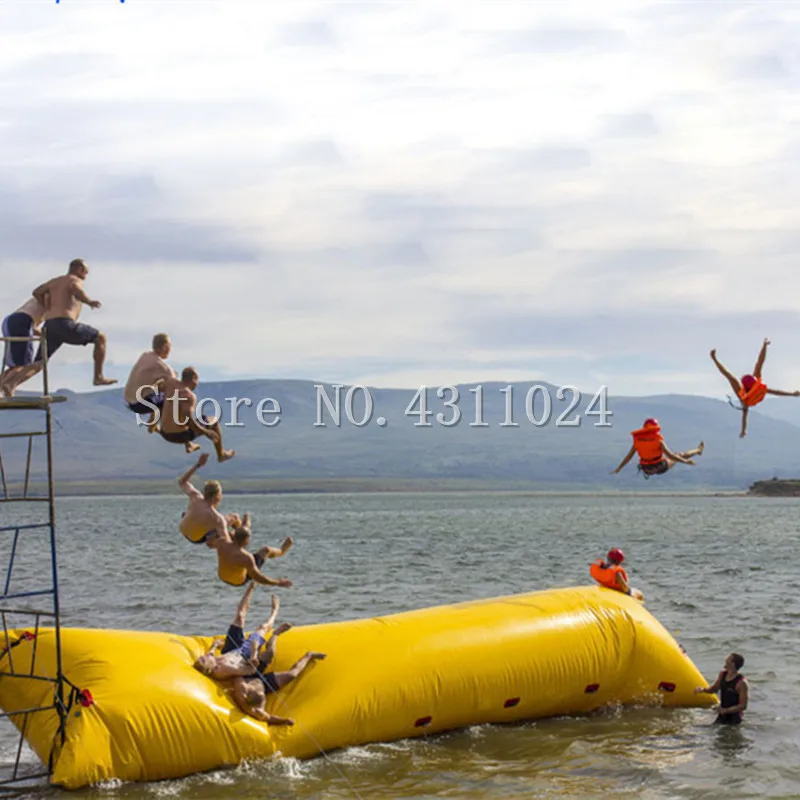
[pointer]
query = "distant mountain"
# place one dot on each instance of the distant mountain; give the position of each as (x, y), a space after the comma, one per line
(96, 439)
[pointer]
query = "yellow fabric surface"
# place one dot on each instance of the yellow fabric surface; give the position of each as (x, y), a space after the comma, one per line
(498, 660)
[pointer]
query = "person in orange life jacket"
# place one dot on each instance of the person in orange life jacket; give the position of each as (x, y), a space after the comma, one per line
(612, 575)
(733, 689)
(655, 458)
(751, 390)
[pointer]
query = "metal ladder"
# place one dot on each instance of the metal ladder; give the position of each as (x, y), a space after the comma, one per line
(35, 603)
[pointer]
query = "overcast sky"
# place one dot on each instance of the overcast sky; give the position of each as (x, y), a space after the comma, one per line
(406, 193)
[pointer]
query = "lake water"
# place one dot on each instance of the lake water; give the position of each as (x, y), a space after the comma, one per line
(720, 573)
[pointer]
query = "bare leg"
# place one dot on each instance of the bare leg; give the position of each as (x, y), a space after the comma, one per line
(17, 376)
(214, 432)
(265, 626)
(191, 447)
(99, 360)
(761, 358)
(269, 648)
(732, 379)
(283, 678)
(698, 451)
(244, 604)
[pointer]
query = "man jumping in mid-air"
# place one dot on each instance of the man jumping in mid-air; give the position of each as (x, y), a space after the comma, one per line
(202, 522)
(751, 390)
(179, 424)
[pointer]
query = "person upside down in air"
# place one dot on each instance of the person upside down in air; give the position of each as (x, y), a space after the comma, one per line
(751, 390)
(612, 575)
(655, 458)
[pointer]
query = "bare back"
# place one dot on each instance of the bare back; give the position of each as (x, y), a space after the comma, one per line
(179, 402)
(34, 309)
(146, 371)
(233, 561)
(63, 302)
(201, 519)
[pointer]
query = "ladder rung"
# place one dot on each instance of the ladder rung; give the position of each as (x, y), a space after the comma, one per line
(6, 528)
(24, 594)
(22, 435)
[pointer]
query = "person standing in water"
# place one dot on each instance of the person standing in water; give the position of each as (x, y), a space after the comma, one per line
(733, 691)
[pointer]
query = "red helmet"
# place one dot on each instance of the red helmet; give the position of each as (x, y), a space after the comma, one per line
(615, 556)
(748, 381)
(650, 422)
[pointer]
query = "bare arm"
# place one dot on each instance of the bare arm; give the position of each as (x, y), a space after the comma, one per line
(42, 294)
(214, 645)
(709, 689)
(76, 290)
(183, 481)
(782, 393)
(255, 574)
(625, 460)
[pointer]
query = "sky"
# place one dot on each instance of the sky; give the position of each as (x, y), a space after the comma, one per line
(406, 193)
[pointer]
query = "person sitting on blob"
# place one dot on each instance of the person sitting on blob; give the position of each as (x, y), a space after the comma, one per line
(655, 458)
(612, 575)
(751, 390)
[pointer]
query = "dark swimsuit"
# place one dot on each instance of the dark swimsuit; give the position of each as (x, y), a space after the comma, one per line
(729, 697)
(659, 468)
(233, 641)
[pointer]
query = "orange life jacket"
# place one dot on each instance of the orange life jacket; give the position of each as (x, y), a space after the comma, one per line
(647, 442)
(754, 395)
(606, 574)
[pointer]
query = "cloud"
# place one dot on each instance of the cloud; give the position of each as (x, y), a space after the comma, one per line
(309, 33)
(554, 40)
(568, 192)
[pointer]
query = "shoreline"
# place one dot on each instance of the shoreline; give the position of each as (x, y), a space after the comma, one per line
(285, 486)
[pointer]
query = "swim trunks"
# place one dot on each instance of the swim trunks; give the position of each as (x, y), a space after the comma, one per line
(235, 643)
(63, 330)
(20, 354)
(156, 400)
(654, 469)
(183, 437)
(268, 679)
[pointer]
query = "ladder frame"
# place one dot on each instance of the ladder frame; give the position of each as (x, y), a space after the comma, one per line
(59, 705)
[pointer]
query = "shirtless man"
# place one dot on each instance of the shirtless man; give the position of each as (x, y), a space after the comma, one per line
(250, 692)
(202, 522)
(148, 374)
(235, 564)
(63, 298)
(24, 322)
(238, 657)
(178, 423)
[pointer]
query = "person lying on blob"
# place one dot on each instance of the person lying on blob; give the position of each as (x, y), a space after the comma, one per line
(751, 390)
(612, 575)
(655, 458)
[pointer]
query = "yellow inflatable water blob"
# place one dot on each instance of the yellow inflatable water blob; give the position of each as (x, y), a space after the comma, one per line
(140, 711)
